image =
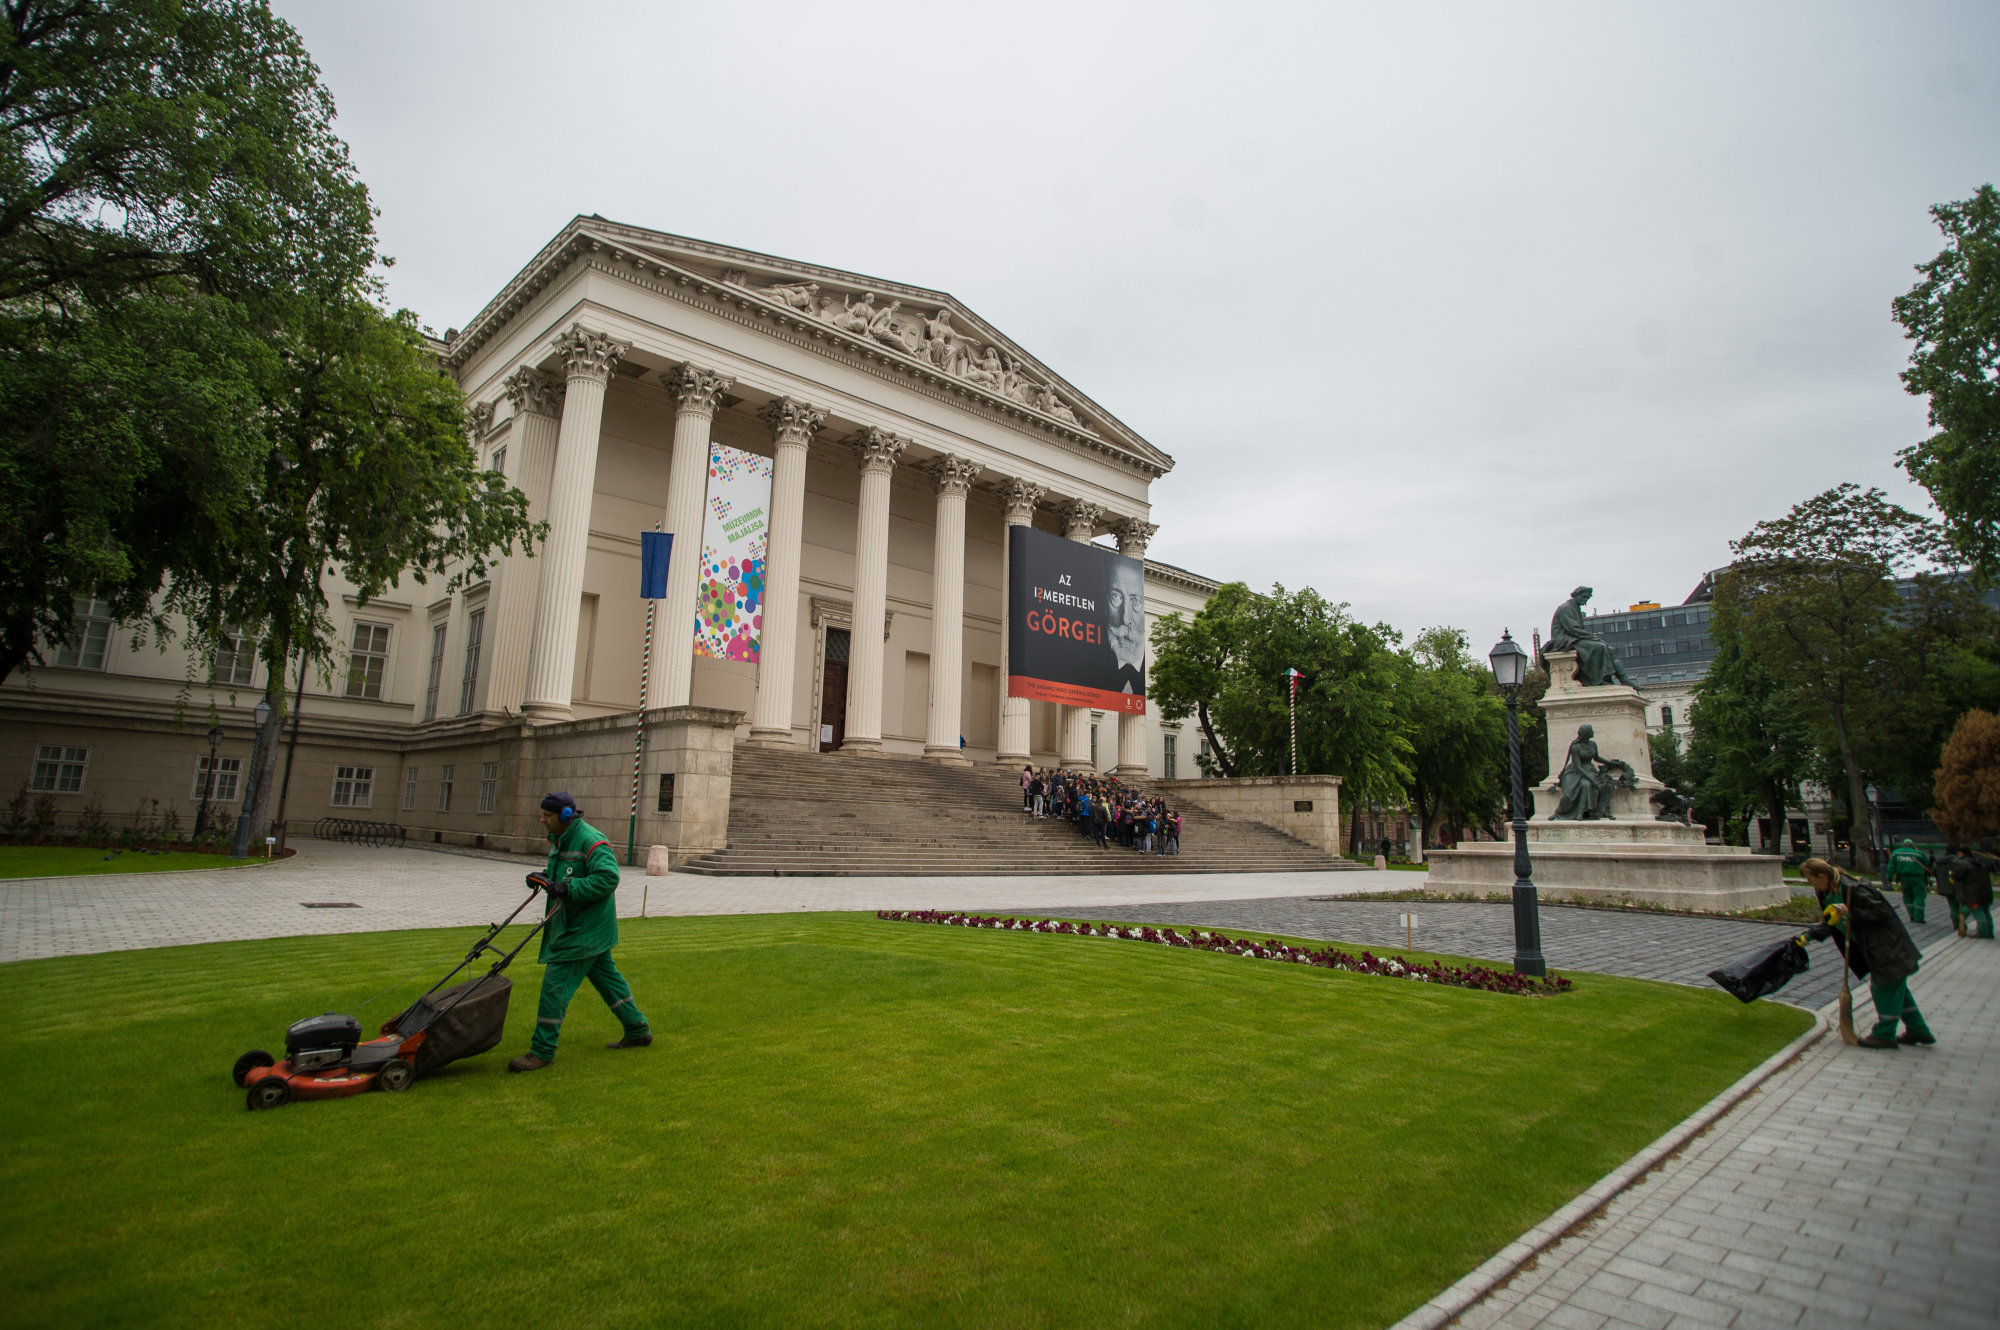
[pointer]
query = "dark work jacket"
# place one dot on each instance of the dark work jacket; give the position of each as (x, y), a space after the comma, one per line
(1881, 949)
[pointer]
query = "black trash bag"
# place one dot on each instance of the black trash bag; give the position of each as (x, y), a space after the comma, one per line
(462, 1020)
(1764, 971)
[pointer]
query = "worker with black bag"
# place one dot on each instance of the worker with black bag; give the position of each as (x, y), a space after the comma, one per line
(1972, 884)
(582, 882)
(1871, 936)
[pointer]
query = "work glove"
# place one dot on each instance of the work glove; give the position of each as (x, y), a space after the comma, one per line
(1818, 933)
(541, 882)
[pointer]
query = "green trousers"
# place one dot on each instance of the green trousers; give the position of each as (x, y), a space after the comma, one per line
(1979, 922)
(561, 979)
(1894, 1005)
(1913, 898)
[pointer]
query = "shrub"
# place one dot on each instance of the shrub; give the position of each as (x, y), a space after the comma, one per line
(1967, 784)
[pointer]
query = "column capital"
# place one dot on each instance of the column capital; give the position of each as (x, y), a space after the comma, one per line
(1080, 518)
(589, 355)
(876, 451)
(694, 388)
(531, 390)
(953, 475)
(1019, 498)
(1133, 535)
(792, 421)
(480, 416)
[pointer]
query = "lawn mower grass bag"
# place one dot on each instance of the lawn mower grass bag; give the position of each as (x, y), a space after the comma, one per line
(456, 1022)
(1764, 971)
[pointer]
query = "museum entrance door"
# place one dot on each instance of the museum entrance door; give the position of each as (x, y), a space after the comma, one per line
(833, 692)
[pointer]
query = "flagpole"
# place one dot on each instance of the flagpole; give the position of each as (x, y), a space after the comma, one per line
(639, 735)
(1292, 694)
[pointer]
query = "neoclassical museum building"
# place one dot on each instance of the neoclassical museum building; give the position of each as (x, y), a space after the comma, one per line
(905, 435)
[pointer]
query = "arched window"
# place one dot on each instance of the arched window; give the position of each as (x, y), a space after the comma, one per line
(1667, 717)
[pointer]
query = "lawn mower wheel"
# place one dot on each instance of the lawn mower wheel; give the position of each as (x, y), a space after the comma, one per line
(256, 1057)
(270, 1092)
(395, 1075)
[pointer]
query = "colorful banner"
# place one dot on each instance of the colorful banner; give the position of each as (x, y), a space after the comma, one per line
(729, 615)
(1076, 625)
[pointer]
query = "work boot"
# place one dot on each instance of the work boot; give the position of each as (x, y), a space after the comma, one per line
(527, 1062)
(1877, 1041)
(1912, 1037)
(643, 1039)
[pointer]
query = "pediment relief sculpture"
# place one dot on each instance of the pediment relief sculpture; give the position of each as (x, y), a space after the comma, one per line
(933, 340)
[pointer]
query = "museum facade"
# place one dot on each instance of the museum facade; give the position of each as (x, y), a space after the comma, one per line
(903, 436)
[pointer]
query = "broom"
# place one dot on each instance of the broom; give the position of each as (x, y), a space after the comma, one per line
(1847, 1035)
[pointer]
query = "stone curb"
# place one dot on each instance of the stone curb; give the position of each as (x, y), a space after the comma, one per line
(1460, 1297)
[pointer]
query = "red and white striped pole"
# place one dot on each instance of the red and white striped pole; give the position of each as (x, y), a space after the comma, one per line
(1292, 693)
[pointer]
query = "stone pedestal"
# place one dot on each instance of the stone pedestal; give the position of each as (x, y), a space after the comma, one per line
(1305, 808)
(1628, 856)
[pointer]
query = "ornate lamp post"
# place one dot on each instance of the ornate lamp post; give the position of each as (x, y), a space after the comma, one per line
(262, 712)
(1874, 797)
(208, 782)
(1510, 667)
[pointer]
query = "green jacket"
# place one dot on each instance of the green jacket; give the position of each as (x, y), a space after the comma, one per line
(1909, 865)
(584, 862)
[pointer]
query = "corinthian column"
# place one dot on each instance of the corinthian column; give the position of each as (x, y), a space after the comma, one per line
(695, 391)
(588, 357)
(953, 477)
(792, 425)
(1079, 524)
(1019, 498)
(1132, 537)
(876, 452)
(531, 464)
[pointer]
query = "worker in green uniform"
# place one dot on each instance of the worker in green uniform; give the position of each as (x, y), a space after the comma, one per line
(1972, 878)
(582, 882)
(1946, 865)
(1877, 948)
(1911, 869)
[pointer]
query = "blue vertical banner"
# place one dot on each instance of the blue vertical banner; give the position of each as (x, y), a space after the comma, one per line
(655, 547)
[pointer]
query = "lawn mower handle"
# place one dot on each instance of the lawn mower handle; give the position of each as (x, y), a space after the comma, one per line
(485, 943)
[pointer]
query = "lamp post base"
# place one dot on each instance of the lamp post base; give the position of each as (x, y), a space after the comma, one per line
(1528, 932)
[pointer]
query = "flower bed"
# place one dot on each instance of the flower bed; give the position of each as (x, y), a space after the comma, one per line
(1393, 967)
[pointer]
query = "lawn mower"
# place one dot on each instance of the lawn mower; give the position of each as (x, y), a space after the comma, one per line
(326, 1057)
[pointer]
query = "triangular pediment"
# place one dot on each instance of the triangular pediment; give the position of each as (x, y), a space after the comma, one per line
(929, 333)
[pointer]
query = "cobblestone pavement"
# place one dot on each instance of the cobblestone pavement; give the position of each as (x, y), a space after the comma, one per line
(1856, 1187)
(413, 888)
(1678, 948)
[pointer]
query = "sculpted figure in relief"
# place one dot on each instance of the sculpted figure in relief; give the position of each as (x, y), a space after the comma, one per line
(855, 317)
(941, 344)
(987, 371)
(799, 295)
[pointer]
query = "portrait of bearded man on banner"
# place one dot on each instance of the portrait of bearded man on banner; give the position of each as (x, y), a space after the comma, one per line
(1126, 631)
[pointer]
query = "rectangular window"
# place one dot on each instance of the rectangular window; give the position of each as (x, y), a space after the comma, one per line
(498, 460)
(445, 775)
(437, 672)
(58, 770)
(228, 777)
(235, 661)
(1170, 745)
(368, 659)
(475, 629)
(93, 637)
(353, 787)
(409, 788)
(489, 785)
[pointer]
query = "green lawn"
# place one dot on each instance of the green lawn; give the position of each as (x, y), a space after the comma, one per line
(69, 861)
(843, 1121)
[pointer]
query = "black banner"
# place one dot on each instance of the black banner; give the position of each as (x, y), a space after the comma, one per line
(1076, 623)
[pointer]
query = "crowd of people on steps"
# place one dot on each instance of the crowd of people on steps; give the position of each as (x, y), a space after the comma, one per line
(1102, 808)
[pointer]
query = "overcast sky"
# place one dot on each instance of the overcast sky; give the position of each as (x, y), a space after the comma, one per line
(1439, 309)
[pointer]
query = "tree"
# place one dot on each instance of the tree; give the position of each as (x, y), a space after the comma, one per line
(1953, 316)
(370, 476)
(164, 165)
(1457, 729)
(1226, 667)
(1967, 784)
(1754, 744)
(1812, 599)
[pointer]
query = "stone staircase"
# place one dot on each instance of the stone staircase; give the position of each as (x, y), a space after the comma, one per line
(794, 813)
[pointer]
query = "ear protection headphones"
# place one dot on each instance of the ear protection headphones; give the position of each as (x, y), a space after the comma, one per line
(565, 813)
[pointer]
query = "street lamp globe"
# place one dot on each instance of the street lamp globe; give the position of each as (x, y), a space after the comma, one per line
(262, 711)
(215, 736)
(1510, 663)
(1874, 795)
